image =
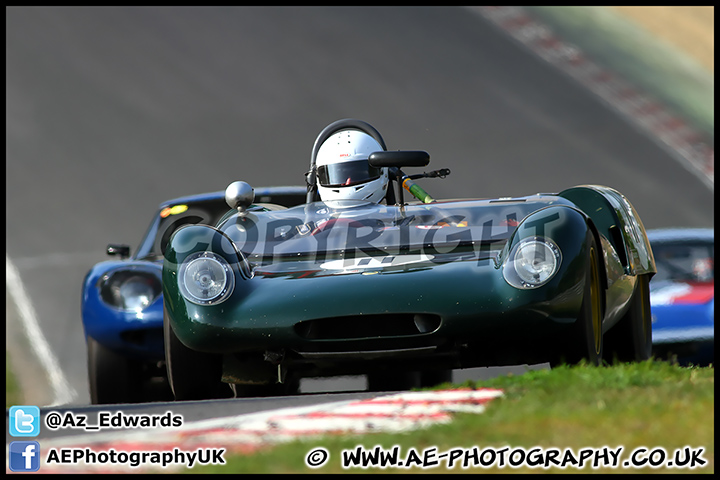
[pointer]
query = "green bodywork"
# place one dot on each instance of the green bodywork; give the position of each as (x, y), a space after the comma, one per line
(316, 281)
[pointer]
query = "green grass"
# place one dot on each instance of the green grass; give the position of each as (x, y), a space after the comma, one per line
(650, 404)
(652, 65)
(13, 395)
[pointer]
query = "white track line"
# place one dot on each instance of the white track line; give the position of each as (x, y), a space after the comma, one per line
(63, 393)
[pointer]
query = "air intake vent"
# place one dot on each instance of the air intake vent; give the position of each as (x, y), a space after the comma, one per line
(368, 326)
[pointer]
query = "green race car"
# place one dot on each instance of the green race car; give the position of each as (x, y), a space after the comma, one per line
(403, 292)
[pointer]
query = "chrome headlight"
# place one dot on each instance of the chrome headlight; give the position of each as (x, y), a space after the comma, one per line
(206, 278)
(532, 263)
(130, 290)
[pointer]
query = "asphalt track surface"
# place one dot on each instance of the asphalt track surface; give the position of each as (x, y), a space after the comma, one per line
(112, 110)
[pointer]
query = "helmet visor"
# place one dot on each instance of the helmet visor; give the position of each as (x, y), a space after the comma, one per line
(347, 173)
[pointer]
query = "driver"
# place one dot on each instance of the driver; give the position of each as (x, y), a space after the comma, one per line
(343, 171)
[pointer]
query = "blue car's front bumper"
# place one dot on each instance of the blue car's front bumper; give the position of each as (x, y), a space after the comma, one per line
(132, 334)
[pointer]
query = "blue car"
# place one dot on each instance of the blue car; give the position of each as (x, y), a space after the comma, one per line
(682, 295)
(122, 306)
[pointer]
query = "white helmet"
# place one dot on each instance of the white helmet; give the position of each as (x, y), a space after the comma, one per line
(343, 171)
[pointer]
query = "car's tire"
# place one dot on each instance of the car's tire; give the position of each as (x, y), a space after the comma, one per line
(630, 340)
(111, 376)
(584, 341)
(192, 375)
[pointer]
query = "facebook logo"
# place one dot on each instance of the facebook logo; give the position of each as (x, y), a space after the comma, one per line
(24, 421)
(24, 456)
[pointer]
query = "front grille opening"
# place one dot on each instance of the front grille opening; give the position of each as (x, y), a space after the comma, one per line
(142, 337)
(368, 326)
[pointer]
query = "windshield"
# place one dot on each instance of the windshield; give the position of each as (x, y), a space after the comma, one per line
(684, 261)
(343, 229)
(172, 217)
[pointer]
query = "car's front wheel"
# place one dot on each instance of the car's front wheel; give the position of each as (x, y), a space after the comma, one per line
(112, 377)
(584, 341)
(192, 375)
(630, 340)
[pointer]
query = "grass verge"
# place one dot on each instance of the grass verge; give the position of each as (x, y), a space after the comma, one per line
(651, 404)
(13, 396)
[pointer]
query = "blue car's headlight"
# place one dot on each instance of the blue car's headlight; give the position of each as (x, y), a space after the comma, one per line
(132, 290)
(532, 263)
(206, 279)
(136, 294)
